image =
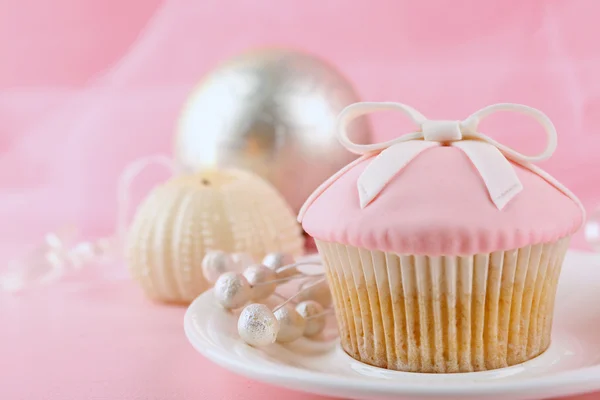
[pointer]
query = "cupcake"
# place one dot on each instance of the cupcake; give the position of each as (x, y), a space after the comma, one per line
(443, 248)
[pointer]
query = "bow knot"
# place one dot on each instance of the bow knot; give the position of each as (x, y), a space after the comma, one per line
(489, 157)
(442, 131)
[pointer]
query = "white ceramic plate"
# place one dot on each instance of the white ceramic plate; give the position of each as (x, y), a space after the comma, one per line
(570, 366)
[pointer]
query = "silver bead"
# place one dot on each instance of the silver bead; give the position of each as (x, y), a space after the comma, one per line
(215, 263)
(242, 260)
(291, 324)
(232, 290)
(312, 312)
(261, 280)
(276, 261)
(319, 293)
(257, 325)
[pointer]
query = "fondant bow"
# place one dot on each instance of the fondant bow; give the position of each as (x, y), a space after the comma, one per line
(489, 157)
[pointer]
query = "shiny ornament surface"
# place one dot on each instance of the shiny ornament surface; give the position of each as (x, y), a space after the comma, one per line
(181, 220)
(272, 112)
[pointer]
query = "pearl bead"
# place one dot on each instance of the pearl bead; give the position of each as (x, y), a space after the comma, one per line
(260, 279)
(257, 325)
(312, 312)
(291, 324)
(319, 293)
(276, 261)
(242, 260)
(214, 264)
(232, 290)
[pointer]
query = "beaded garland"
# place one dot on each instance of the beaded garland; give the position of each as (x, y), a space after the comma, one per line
(302, 314)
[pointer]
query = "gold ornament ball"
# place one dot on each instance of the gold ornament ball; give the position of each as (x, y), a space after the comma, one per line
(190, 215)
(272, 112)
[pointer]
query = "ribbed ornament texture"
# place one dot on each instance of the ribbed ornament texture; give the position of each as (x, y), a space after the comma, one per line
(444, 314)
(180, 220)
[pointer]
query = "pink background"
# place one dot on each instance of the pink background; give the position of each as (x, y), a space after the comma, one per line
(86, 86)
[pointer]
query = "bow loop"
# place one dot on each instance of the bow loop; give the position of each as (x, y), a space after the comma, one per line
(358, 109)
(471, 124)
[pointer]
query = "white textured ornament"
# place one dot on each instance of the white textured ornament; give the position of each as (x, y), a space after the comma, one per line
(320, 293)
(184, 218)
(257, 325)
(215, 263)
(261, 280)
(291, 324)
(276, 261)
(232, 290)
(313, 314)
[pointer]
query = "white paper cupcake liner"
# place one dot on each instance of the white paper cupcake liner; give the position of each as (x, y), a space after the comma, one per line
(447, 313)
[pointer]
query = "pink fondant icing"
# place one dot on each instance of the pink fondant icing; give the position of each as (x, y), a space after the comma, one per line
(439, 205)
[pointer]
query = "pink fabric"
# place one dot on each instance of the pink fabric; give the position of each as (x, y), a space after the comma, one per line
(101, 340)
(86, 86)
